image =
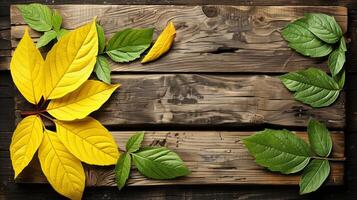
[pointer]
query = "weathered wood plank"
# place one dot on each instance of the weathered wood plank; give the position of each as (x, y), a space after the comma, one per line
(207, 101)
(213, 158)
(209, 38)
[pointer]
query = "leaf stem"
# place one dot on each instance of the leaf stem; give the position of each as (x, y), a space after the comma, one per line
(27, 113)
(46, 116)
(330, 159)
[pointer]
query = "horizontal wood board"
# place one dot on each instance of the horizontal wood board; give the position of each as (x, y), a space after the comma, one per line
(213, 157)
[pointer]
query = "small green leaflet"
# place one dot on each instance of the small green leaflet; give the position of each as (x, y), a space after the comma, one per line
(324, 27)
(314, 175)
(336, 60)
(134, 143)
(101, 38)
(61, 33)
(128, 44)
(122, 170)
(102, 69)
(340, 79)
(303, 41)
(37, 16)
(319, 138)
(279, 150)
(343, 44)
(46, 38)
(159, 163)
(312, 86)
(56, 21)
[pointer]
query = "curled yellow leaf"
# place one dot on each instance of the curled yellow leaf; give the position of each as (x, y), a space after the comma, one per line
(80, 103)
(63, 171)
(162, 44)
(70, 61)
(27, 69)
(88, 140)
(25, 142)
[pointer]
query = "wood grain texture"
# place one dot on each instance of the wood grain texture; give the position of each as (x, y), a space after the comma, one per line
(212, 157)
(209, 38)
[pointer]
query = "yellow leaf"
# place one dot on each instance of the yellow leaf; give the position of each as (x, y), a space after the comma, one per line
(70, 61)
(162, 44)
(63, 171)
(25, 142)
(89, 141)
(27, 69)
(80, 103)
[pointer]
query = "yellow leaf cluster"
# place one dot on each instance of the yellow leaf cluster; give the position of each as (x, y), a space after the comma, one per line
(61, 79)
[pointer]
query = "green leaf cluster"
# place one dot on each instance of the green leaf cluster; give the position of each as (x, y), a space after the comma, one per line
(41, 18)
(316, 35)
(283, 151)
(152, 162)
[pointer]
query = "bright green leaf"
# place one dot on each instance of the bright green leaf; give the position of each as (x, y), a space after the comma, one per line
(61, 33)
(319, 138)
(303, 41)
(102, 69)
(134, 142)
(46, 38)
(324, 27)
(159, 163)
(129, 44)
(101, 38)
(314, 176)
(343, 44)
(312, 86)
(278, 150)
(56, 20)
(336, 60)
(37, 16)
(122, 170)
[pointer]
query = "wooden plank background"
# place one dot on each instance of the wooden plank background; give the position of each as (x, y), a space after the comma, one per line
(9, 190)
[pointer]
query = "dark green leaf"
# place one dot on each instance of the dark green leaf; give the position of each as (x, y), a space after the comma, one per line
(129, 44)
(314, 176)
(46, 38)
(303, 41)
(102, 69)
(319, 138)
(101, 38)
(159, 163)
(56, 20)
(340, 79)
(312, 86)
(336, 60)
(134, 142)
(61, 33)
(122, 170)
(37, 16)
(278, 150)
(324, 27)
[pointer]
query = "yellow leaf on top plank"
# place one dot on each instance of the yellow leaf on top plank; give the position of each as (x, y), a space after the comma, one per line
(89, 141)
(63, 170)
(162, 44)
(27, 69)
(25, 142)
(80, 103)
(70, 61)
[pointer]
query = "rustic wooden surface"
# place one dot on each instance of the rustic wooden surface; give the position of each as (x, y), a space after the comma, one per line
(10, 190)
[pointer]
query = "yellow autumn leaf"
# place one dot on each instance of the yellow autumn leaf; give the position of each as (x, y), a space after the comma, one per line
(25, 142)
(162, 44)
(80, 103)
(27, 69)
(70, 61)
(63, 171)
(88, 140)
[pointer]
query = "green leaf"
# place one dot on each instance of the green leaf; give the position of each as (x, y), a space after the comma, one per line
(61, 33)
(134, 142)
(278, 150)
(101, 38)
(343, 44)
(314, 176)
(129, 44)
(46, 38)
(319, 138)
(303, 41)
(122, 170)
(324, 27)
(37, 16)
(340, 79)
(336, 60)
(102, 69)
(56, 20)
(312, 86)
(159, 163)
